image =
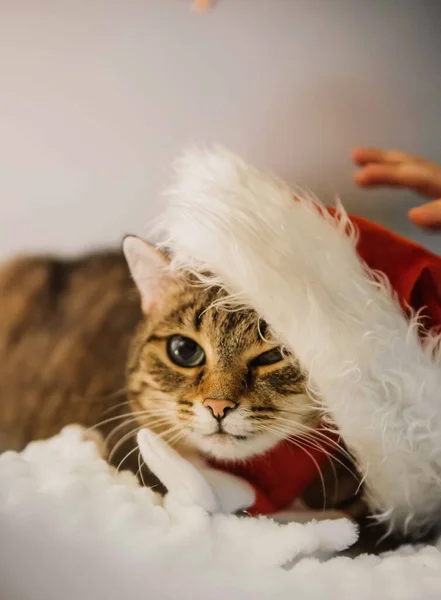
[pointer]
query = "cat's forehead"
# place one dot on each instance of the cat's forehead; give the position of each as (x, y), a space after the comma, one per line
(200, 310)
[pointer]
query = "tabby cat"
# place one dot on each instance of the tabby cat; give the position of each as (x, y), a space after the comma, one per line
(75, 346)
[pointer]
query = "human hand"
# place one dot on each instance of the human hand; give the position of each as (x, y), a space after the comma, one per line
(397, 169)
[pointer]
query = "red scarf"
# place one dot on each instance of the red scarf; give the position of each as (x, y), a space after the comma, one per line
(282, 474)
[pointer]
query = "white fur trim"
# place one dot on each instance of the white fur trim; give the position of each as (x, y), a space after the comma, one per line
(80, 530)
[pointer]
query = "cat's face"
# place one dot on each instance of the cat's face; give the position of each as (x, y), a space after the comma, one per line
(207, 377)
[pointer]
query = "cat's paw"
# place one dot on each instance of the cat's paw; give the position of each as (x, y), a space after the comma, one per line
(184, 481)
(233, 493)
(190, 481)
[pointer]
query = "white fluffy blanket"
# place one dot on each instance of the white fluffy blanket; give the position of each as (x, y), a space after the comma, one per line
(70, 527)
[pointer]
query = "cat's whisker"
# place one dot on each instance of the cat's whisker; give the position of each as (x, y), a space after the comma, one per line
(314, 444)
(155, 423)
(141, 464)
(165, 405)
(132, 433)
(302, 428)
(144, 415)
(125, 458)
(324, 441)
(310, 438)
(294, 442)
(330, 457)
(111, 395)
(361, 483)
(270, 412)
(177, 437)
(151, 421)
(104, 397)
(117, 418)
(318, 437)
(116, 429)
(149, 414)
(115, 407)
(319, 434)
(171, 429)
(300, 441)
(292, 427)
(308, 409)
(127, 422)
(176, 428)
(121, 441)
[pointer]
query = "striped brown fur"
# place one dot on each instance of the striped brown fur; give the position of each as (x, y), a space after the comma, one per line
(65, 327)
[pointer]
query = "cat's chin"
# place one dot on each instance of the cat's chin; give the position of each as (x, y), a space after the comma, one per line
(229, 447)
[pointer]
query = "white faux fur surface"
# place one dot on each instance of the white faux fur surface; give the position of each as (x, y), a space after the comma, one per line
(297, 266)
(73, 528)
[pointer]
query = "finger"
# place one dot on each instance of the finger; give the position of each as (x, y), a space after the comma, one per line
(363, 156)
(427, 215)
(416, 176)
(379, 174)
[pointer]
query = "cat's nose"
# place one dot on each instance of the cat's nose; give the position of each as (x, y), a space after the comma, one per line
(219, 406)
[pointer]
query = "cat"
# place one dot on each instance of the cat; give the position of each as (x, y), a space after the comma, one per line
(216, 382)
(77, 346)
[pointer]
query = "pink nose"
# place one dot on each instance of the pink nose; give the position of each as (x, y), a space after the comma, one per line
(219, 407)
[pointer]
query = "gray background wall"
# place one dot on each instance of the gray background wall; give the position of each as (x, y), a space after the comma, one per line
(98, 98)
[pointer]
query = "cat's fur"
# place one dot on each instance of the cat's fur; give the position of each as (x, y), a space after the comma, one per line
(65, 328)
(65, 331)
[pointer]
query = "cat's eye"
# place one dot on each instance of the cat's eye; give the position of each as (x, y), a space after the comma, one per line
(185, 352)
(271, 357)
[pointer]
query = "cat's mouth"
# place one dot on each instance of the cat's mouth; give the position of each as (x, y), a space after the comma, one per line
(221, 434)
(223, 445)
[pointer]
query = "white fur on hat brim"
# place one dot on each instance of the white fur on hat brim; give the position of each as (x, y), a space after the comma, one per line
(297, 266)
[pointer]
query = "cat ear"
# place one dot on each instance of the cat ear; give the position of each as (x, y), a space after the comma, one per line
(147, 266)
